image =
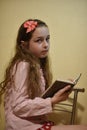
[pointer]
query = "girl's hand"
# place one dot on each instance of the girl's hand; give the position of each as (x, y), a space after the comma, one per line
(61, 95)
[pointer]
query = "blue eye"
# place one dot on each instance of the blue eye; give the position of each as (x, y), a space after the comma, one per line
(47, 39)
(39, 40)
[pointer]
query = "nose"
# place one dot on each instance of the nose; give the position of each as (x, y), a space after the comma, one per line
(46, 44)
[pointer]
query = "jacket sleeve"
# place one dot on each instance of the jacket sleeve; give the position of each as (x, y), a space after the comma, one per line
(22, 106)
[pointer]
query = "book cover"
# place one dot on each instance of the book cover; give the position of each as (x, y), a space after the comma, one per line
(57, 85)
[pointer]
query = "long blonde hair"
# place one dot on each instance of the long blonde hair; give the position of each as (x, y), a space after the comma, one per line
(23, 54)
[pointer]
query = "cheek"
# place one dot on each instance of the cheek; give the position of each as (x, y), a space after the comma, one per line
(34, 49)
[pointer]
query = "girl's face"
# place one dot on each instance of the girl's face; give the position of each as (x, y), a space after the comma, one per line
(39, 43)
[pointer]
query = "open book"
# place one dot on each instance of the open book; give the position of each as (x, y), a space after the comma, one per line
(57, 85)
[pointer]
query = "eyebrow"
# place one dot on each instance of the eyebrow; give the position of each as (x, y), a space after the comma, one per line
(42, 36)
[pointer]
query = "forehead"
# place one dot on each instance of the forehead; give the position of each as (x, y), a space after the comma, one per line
(40, 32)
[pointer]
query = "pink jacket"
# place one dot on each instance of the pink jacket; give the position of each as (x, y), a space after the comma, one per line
(22, 113)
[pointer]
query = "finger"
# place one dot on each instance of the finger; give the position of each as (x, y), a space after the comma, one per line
(65, 89)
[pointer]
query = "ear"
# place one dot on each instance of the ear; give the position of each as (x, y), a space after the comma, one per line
(24, 44)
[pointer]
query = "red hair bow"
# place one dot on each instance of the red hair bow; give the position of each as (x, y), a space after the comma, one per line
(30, 25)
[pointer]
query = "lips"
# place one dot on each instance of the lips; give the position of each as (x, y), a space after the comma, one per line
(45, 51)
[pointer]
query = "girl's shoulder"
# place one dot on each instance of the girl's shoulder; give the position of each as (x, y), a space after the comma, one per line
(21, 65)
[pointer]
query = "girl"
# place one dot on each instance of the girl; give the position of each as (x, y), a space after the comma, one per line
(27, 77)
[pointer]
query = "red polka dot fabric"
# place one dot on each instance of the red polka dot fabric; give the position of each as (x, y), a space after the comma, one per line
(47, 126)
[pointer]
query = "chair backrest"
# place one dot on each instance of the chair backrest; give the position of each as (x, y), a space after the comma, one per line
(73, 105)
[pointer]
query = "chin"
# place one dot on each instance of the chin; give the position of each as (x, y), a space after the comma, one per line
(43, 56)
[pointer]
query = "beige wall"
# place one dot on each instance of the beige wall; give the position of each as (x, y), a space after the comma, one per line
(67, 20)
